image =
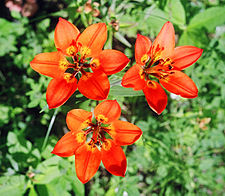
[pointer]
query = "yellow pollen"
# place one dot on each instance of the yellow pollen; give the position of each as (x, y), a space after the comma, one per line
(101, 118)
(71, 50)
(165, 79)
(141, 73)
(95, 63)
(63, 64)
(106, 145)
(85, 124)
(69, 78)
(168, 61)
(91, 146)
(85, 51)
(80, 137)
(109, 127)
(144, 58)
(111, 130)
(156, 58)
(151, 84)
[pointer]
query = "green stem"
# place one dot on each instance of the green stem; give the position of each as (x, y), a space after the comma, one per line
(49, 128)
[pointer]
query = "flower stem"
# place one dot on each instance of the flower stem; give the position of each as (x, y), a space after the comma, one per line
(49, 128)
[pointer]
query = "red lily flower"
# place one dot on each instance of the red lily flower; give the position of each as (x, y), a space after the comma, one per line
(162, 61)
(89, 63)
(89, 154)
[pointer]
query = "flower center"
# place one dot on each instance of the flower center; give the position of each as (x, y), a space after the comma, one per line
(155, 67)
(79, 62)
(98, 131)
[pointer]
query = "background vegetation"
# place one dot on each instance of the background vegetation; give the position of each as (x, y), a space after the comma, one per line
(181, 151)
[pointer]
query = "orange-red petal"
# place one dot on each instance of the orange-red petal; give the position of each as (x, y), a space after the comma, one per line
(155, 96)
(78, 119)
(164, 43)
(65, 35)
(107, 111)
(69, 143)
(179, 83)
(94, 85)
(142, 47)
(49, 64)
(113, 158)
(94, 38)
(124, 133)
(59, 91)
(87, 161)
(112, 61)
(185, 56)
(133, 78)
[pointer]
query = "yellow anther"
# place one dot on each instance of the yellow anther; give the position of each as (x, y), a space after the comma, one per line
(91, 146)
(156, 58)
(141, 73)
(151, 84)
(85, 124)
(144, 58)
(167, 61)
(63, 64)
(72, 50)
(80, 137)
(111, 130)
(106, 145)
(69, 78)
(165, 78)
(95, 63)
(101, 118)
(110, 127)
(84, 51)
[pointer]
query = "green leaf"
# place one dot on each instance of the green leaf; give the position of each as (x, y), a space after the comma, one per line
(17, 143)
(124, 92)
(48, 171)
(4, 118)
(154, 21)
(12, 185)
(58, 187)
(122, 39)
(77, 186)
(32, 192)
(206, 164)
(209, 18)
(8, 34)
(194, 37)
(176, 12)
(47, 175)
(44, 108)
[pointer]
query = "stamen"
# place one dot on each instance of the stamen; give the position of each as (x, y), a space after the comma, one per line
(91, 146)
(151, 84)
(71, 50)
(85, 124)
(80, 137)
(84, 51)
(106, 145)
(142, 73)
(170, 67)
(101, 118)
(85, 75)
(63, 64)
(95, 63)
(69, 77)
(144, 58)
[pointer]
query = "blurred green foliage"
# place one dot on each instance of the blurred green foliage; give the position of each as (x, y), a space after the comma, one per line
(181, 151)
